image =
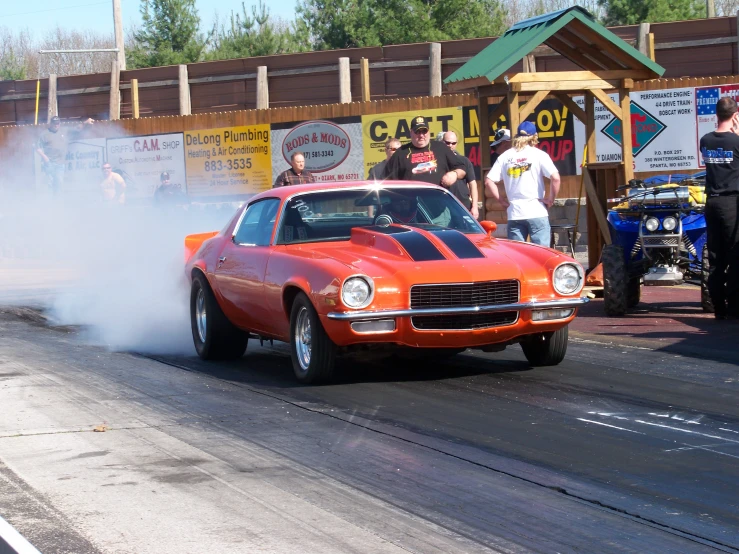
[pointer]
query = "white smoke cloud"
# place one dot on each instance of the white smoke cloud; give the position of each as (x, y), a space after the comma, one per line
(117, 271)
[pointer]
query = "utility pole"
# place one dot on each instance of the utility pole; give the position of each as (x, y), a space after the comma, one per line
(118, 23)
(710, 8)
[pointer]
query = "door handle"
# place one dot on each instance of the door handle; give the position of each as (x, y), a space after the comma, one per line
(221, 260)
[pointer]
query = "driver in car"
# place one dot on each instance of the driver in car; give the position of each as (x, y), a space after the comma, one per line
(403, 210)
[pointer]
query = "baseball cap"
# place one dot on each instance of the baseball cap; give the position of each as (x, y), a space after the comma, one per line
(164, 176)
(54, 119)
(527, 129)
(419, 122)
(501, 135)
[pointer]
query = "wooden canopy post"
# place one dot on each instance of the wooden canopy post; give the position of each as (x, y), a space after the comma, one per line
(590, 128)
(483, 117)
(514, 113)
(627, 152)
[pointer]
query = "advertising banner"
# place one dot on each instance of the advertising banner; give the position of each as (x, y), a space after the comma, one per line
(554, 124)
(141, 159)
(663, 131)
(228, 161)
(332, 148)
(377, 128)
(83, 172)
(705, 109)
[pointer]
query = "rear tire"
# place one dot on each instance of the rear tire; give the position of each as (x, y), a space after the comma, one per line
(215, 337)
(706, 303)
(614, 280)
(543, 349)
(313, 353)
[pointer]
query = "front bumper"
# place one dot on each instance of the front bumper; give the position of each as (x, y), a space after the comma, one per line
(517, 307)
(341, 326)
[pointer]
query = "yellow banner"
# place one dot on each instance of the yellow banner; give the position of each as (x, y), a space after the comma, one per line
(230, 160)
(377, 128)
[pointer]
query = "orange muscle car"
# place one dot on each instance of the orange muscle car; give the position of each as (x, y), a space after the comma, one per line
(336, 267)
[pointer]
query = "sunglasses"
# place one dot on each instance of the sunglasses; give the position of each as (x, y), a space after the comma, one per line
(450, 143)
(421, 131)
(391, 148)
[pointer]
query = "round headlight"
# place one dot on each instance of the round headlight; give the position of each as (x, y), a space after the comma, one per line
(567, 279)
(356, 292)
(669, 223)
(652, 224)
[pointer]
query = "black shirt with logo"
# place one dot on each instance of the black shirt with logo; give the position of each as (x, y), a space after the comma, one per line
(720, 153)
(428, 164)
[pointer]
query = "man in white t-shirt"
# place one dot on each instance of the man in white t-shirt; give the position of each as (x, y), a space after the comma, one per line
(522, 169)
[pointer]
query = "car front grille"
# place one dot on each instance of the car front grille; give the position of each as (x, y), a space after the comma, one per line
(488, 293)
(463, 322)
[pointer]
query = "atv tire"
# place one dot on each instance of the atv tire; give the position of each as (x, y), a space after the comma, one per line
(706, 303)
(615, 295)
(633, 292)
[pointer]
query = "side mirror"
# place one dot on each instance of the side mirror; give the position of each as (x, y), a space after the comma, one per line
(489, 226)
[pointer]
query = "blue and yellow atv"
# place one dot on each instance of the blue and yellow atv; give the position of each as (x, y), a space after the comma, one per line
(659, 239)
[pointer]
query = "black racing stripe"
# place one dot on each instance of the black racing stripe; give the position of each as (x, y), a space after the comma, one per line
(419, 248)
(458, 243)
(389, 230)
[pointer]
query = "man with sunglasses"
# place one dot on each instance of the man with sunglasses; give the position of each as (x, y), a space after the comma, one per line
(425, 160)
(464, 189)
(379, 171)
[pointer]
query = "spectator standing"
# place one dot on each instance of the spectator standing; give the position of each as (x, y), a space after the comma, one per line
(465, 189)
(168, 193)
(378, 172)
(296, 175)
(522, 169)
(52, 147)
(720, 152)
(424, 160)
(113, 186)
(501, 143)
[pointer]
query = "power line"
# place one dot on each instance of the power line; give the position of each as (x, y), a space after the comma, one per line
(55, 9)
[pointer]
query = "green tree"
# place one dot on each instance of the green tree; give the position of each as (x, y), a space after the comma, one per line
(258, 35)
(632, 12)
(357, 23)
(11, 68)
(170, 34)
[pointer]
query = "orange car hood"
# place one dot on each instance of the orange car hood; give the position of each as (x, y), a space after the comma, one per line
(415, 256)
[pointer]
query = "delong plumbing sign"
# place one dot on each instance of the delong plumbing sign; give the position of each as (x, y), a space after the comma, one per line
(332, 148)
(142, 159)
(228, 161)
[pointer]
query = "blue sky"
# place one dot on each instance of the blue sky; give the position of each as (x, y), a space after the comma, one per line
(40, 16)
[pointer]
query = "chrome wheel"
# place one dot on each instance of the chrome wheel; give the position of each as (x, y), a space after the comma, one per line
(303, 343)
(201, 315)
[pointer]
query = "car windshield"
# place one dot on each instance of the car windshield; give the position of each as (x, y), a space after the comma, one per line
(331, 215)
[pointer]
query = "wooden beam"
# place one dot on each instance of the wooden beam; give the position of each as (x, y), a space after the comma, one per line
(262, 88)
(604, 99)
(135, 97)
(642, 38)
(650, 46)
(626, 144)
(529, 63)
(500, 109)
(574, 55)
(571, 105)
(184, 88)
(498, 89)
(435, 69)
(590, 130)
(571, 86)
(468, 84)
(589, 50)
(51, 104)
(364, 72)
(605, 45)
(345, 82)
(514, 117)
(598, 208)
(114, 110)
(484, 121)
(605, 75)
(531, 105)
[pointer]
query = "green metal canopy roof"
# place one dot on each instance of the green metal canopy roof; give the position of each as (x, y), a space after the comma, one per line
(572, 32)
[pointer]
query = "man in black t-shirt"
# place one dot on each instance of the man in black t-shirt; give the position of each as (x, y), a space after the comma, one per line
(424, 160)
(720, 153)
(464, 189)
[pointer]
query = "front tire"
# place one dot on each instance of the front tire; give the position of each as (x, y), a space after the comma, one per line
(215, 337)
(543, 349)
(633, 292)
(313, 353)
(706, 303)
(615, 300)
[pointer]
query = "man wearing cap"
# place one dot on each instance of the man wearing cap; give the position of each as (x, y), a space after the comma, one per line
(52, 147)
(501, 143)
(168, 193)
(522, 169)
(425, 160)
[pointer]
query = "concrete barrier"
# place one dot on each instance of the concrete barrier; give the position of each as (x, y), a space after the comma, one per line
(12, 542)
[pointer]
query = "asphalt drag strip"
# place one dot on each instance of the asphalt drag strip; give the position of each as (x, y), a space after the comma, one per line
(480, 453)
